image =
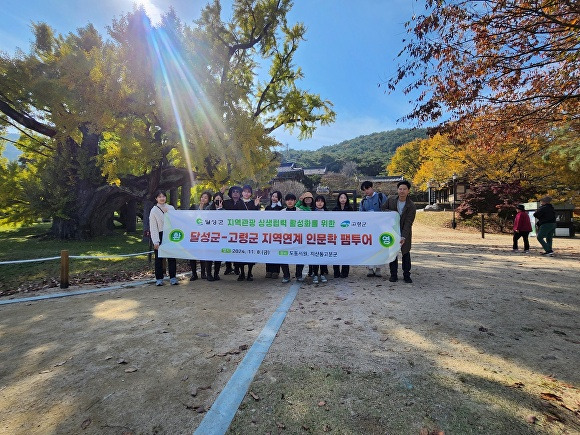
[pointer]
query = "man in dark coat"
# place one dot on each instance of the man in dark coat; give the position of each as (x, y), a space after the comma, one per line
(546, 222)
(406, 208)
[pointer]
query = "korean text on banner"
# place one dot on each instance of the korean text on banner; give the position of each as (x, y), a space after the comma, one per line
(299, 237)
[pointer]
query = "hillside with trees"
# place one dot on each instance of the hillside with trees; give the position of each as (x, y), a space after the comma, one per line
(371, 153)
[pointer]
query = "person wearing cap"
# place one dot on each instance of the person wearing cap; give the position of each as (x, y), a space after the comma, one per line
(290, 201)
(522, 228)
(546, 222)
(305, 202)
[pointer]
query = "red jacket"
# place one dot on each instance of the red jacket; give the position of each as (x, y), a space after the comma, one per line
(522, 222)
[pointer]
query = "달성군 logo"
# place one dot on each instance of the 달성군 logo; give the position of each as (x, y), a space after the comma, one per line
(387, 240)
(345, 224)
(176, 236)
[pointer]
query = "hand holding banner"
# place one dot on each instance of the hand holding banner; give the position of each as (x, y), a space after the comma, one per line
(300, 237)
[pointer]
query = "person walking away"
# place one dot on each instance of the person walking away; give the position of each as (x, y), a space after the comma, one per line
(247, 204)
(372, 201)
(273, 270)
(342, 204)
(546, 222)
(156, 218)
(403, 205)
(522, 228)
(204, 204)
(319, 205)
(290, 200)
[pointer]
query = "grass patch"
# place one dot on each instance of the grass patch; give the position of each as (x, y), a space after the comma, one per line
(23, 243)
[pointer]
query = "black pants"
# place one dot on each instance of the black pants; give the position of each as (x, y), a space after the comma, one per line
(171, 263)
(524, 235)
(272, 268)
(286, 270)
(323, 270)
(216, 268)
(344, 273)
(394, 265)
(193, 265)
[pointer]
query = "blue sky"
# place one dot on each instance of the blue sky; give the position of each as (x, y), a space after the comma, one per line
(351, 47)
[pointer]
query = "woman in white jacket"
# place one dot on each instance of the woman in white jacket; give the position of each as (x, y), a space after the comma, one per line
(156, 217)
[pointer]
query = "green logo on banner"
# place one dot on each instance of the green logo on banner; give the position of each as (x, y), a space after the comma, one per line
(176, 236)
(285, 253)
(387, 240)
(345, 224)
(226, 250)
(199, 221)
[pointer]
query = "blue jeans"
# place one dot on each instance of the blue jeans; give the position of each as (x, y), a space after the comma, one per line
(545, 235)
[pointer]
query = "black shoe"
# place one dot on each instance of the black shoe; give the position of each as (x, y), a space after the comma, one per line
(216, 277)
(193, 277)
(337, 275)
(393, 278)
(210, 278)
(242, 277)
(203, 276)
(250, 277)
(408, 280)
(228, 271)
(236, 270)
(344, 276)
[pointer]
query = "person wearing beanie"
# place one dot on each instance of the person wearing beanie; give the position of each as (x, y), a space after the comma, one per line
(546, 222)
(522, 228)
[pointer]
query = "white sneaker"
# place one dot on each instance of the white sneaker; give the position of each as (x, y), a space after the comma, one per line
(314, 279)
(173, 281)
(159, 282)
(323, 278)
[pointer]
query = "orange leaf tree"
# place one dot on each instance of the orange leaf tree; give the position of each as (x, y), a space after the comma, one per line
(495, 69)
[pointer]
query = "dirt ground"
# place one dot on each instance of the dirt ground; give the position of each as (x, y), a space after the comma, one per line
(483, 341)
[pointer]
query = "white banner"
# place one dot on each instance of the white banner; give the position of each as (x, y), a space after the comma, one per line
(281, 237)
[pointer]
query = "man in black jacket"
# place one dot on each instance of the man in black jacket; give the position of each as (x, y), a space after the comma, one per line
(546, 222)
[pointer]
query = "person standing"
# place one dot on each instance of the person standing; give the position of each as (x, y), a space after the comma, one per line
(342, 204)
(233, 203)
(319, 205)
(546, 222)
(156, 218)
(407, 210)
(273, 270)
(372, 201)
(204, 204)
(216, 204)
(290, 200)
(247, 204)
(522, 228)
(305, 202)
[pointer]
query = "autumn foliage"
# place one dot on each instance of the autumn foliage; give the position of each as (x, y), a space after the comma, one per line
(495, 72)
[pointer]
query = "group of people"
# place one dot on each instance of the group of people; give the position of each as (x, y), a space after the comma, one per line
(545, 222)
(240, 198)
